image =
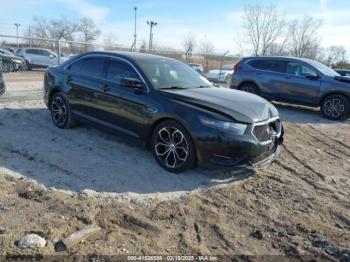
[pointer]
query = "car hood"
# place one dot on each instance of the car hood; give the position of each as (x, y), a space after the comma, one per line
(241, 106)
(217, 72)
(345, 79)
(10, 57)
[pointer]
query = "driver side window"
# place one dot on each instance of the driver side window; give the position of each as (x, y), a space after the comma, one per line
(297, 69)
(117, 71)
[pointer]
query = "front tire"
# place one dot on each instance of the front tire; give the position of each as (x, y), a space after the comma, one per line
(60, 111)
(335, 107)
(172, 147)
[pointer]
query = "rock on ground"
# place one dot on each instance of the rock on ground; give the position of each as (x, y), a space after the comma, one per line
(31, 241)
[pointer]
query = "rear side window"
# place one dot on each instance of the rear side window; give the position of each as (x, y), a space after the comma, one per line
(268, 65)
(92, 67)
(32, 51)
(117, 71)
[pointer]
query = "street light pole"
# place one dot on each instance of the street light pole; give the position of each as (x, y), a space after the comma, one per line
(151, 24)
(135, 35)
(17, 25)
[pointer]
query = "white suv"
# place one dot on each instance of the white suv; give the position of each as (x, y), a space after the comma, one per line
(39, 57)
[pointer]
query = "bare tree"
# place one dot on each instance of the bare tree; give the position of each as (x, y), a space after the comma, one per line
(189, 43)
(207, 48)
(304, 39)
(89, 29)
(335, 56)
(62, 28)
(110, 41)
(40, 27)
(264, 26)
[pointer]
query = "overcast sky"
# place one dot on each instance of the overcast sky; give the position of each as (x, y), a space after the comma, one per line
(218, 21)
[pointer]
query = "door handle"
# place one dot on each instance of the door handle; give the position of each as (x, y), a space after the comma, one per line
(105, 88)
(69, 79)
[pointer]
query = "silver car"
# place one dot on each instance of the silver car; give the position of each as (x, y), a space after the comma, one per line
(39, 57)
(221, 76)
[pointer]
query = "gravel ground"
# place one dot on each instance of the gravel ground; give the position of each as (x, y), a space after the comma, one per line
(54, 182)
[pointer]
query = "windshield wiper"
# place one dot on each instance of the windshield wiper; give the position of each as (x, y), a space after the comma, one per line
(173, 87)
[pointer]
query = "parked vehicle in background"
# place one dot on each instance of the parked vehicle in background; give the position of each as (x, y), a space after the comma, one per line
(197, 67)
(221, 76)
(39, 57)
(2, 83)
(10, 62)
(172, 108)
(295, 80)
(343, 72)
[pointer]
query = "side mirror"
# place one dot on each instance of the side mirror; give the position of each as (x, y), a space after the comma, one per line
(312, 77)
(132, 83)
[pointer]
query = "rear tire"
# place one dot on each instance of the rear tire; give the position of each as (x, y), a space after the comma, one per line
(60, 111)
(335, 107)
(172, 147)
(249, 88)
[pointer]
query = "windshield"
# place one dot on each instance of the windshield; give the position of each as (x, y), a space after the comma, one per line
(167, 73)
(323, 69)
(6, 52)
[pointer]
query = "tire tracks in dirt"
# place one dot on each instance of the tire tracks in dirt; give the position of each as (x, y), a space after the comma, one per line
(300, 129)
(32, 158)
(329, 137)
(305, 165)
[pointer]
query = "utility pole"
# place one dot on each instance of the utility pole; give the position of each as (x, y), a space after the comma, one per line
(17, 25)
(151, 24)
(135, 34)
(222, 62)
(30, 37)
(134, 45)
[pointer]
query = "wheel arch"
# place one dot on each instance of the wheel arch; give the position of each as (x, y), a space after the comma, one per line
(161, 119)
(248, 82)
(334, 93)
(54, 91)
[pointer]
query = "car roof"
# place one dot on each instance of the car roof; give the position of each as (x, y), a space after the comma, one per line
(127, 55)
(280, 58)
(35, 48)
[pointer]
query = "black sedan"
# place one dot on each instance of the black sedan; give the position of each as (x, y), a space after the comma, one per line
(172, 108)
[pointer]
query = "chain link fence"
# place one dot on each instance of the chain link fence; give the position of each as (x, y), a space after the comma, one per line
(28, 53)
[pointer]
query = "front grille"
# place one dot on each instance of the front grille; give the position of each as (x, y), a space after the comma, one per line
(267, 131)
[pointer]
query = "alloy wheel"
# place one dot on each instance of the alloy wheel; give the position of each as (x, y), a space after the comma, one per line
(59, 111)
(334, 108)
(171, 147)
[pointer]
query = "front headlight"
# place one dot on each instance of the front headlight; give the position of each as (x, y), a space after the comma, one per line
(230, 127)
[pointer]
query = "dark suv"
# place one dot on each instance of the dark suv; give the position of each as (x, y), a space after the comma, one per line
(294, 80)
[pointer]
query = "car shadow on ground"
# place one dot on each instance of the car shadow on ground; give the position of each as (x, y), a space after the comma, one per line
(86, 158)
(303, 115)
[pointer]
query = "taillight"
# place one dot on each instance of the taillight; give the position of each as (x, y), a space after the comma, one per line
(237, 68)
